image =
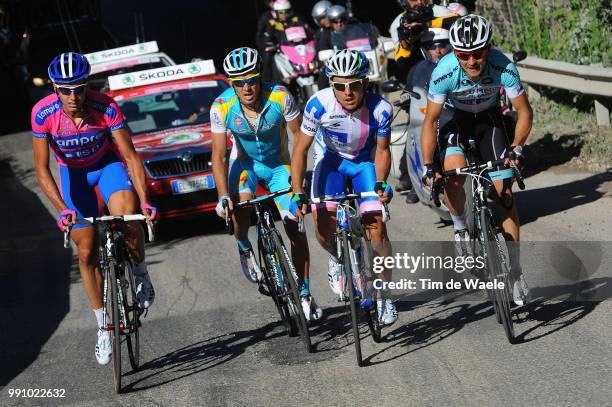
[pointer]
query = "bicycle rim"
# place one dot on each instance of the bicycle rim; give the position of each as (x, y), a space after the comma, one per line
(132, 318)
(268, 271)
(346, 250)
(293, 300)
(368, 277)
(483, 252)
(115, 329)
(497, 271)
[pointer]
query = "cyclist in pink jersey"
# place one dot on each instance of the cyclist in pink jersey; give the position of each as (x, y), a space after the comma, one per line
(87, 133)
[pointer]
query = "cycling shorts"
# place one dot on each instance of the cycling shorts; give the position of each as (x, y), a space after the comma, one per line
(245, 174)
(329, 176)
(488, 131)
(77, 185)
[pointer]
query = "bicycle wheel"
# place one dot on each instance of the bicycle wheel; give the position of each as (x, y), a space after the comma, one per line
(498, 270)
(132, 315)
(480, 249)
(367, 277)
(346, 260)
(111, 304)
(292, 293)
(269, 266)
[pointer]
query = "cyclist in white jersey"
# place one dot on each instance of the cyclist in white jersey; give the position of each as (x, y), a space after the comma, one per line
(351, 129)
(467, 83)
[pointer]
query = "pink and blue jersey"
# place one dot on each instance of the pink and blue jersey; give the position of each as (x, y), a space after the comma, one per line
(345, 143)
(86, 156)
(83, 146)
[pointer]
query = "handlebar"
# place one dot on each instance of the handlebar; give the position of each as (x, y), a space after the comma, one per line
(110, 219)
(477, 168)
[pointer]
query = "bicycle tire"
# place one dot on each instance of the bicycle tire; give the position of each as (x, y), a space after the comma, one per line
(368, 276)
(480, 249)
(132, 317)
(267, 268)
(115, 328)
(498, 271)
(346, 250)
(294, 301)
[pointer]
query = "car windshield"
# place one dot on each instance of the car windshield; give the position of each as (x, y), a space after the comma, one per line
(99, 80)
(170, 106)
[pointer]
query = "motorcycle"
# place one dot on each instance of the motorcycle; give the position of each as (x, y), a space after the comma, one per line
(296, 63)
(365, 38)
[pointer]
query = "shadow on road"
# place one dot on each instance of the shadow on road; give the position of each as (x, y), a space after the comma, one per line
(558, 198)
(34, 275)
(549, 151)
(198, 357)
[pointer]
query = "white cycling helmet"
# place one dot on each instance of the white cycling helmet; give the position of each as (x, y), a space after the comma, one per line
(281, 5)
(457, 8)
(434, 35)
(470, 33)
(347, 63)
(319, 10)
(242, 61)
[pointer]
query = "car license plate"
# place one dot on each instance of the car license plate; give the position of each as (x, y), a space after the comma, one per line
(186, 185)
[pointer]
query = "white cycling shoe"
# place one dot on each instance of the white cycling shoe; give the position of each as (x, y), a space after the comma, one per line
(145, 293)
(104, 347)
(387, 313)
(312, 311)
(520, 291)
(334, 273)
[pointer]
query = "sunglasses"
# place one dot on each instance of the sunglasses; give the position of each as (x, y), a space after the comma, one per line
(465, 56)
(283, 11)
(239, 83)
(355, 86)
(436, 45)
(67, 90)
(337, 21)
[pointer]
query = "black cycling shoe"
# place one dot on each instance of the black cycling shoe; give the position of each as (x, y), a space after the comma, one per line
(412, 197)
(403, 185)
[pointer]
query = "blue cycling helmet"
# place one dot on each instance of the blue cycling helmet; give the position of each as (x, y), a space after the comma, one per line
(242, 61)
(348, 63)
(68, 67)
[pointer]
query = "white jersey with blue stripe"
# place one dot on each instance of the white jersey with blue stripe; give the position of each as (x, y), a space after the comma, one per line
(449, 83)
(351, 135)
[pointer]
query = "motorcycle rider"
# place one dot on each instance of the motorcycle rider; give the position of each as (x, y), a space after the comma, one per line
(319, 15)
(275, 31)
(434, 45)
(265, 49)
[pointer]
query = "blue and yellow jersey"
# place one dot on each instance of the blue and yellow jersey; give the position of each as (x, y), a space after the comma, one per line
(263, 139)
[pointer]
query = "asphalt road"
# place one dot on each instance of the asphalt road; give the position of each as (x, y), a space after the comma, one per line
(211, 339)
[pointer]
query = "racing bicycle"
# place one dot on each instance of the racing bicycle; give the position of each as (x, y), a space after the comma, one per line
(354, 252)
(276, 265)
(485, 234)
(121, 310)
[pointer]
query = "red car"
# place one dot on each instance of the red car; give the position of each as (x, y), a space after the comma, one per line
(167, 112)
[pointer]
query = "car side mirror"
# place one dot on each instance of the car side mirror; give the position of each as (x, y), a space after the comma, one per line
(519, 56)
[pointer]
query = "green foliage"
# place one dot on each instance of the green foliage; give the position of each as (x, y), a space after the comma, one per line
(576, 31)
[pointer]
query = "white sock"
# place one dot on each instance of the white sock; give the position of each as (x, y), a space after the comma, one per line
(99, 317)
(458, 222)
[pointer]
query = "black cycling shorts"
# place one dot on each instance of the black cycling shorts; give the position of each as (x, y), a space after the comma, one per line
(487, 130)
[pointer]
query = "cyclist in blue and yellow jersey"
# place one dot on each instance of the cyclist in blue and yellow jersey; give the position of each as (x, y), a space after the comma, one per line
(257, 114)
(351, 128)
(467, 83)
